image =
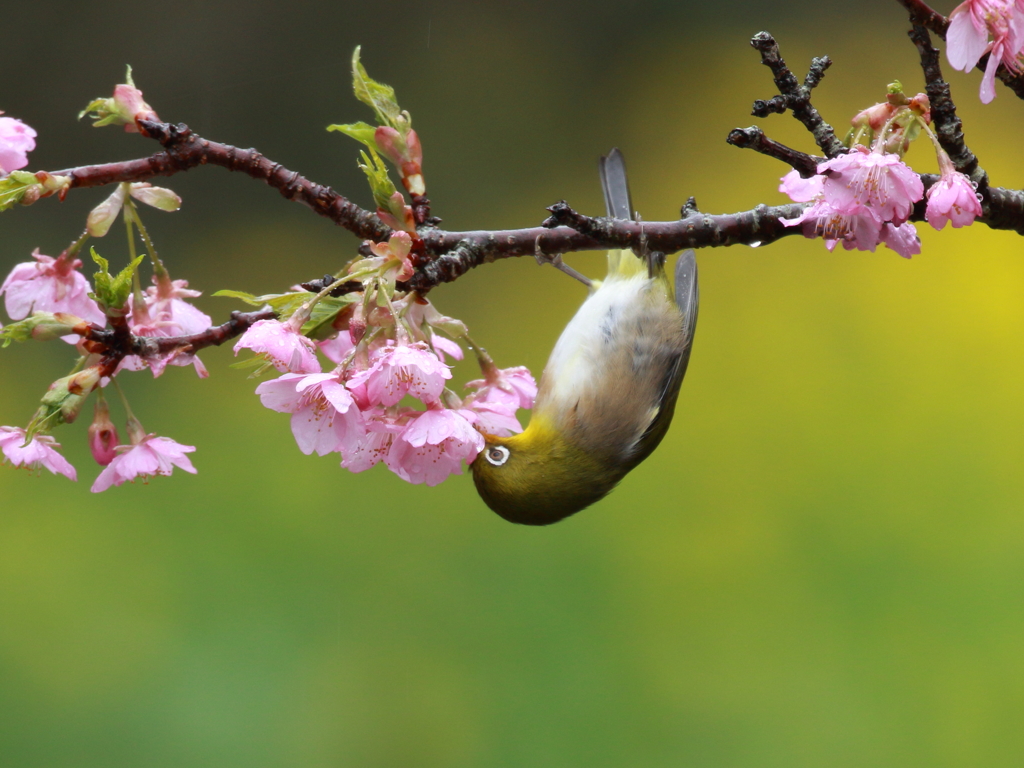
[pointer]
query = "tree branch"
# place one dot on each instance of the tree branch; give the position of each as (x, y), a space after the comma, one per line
(923, 14)
(461, 251)
(184, 150)
(444, 256)
(118, 342)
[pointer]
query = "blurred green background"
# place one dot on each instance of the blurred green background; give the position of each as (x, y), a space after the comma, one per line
(821, 566)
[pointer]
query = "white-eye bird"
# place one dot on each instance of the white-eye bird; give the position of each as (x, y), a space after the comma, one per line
(609, 389)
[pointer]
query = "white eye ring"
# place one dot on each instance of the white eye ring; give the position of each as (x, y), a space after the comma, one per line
(497, 455)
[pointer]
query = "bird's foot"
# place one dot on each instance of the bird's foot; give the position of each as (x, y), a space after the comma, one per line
(558, 263)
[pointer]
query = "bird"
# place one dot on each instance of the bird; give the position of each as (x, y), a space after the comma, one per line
(609, 389)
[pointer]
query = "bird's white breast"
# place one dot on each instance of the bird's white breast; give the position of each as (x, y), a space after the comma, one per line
(603, 383)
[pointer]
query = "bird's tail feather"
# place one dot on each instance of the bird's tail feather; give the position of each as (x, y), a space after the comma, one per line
(617, 201)
(618, 204)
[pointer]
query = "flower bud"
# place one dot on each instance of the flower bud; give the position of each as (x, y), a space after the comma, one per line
(406, 153)
(128, 103)
(389, 142)
(103, 215)
(84, 382)
(398, 215)
(123, 108)
(66, 396)
(103, 438)
(158, 197)
(44, 326)
(357, 325)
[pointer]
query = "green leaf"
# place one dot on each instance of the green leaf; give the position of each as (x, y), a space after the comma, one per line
(376, 95)
(248, 298)
(112, 291)
(380, 182)
(319, 326)
(256, 361)
(14, 186)
(361, 132)
(286, 304)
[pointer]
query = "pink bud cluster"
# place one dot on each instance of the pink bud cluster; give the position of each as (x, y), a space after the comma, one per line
(358, 409)
(971, 24)
(864, 199)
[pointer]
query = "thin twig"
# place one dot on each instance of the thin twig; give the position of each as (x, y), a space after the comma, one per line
(797, 95)
(754, 138)
(948, 127)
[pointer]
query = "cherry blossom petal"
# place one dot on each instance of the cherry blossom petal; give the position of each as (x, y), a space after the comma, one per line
(965, 43)
(799, 189)
(151, 457)
(902, 239)
(399, 370)
(284, 347)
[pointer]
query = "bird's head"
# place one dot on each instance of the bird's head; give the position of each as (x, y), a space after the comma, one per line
(537, 477)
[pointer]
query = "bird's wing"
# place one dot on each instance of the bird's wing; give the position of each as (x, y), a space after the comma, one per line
(687, 299)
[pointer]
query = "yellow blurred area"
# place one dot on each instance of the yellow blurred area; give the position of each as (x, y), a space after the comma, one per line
(820, 566)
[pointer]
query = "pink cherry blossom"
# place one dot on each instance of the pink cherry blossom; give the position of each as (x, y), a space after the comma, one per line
(325, 417)
(50, 285)
(395, 254)
(398, 370)
(150, 457)
(16, 141)
(283, 345)
(902, 239)
(880, 182)
(443, 346)
(375, 445)
(165, 313)
(970, 25)
(492, 418)
(39, 453)
(859, 229)
(338, 348)
(954, 199)
(511, 386)
(433, 446)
